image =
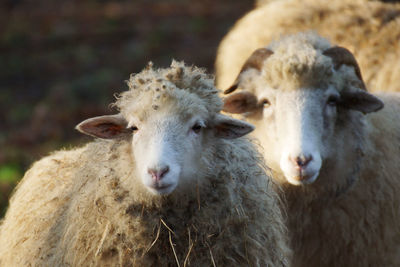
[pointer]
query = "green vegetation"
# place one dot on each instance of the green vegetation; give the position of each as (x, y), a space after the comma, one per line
(9, 173)
(9, 176)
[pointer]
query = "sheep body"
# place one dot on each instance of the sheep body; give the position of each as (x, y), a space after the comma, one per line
(86, 207)
(369, 29)
(349, 215)
(356, 225)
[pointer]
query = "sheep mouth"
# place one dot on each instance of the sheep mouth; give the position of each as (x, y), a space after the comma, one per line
(162, 189)
(302, 179)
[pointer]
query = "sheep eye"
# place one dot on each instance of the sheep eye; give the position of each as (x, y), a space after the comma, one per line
(265, 103)
(196, 128)
(332, 101)
(133, 129)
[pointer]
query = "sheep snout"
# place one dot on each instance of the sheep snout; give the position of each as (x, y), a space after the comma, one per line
(161, 181)
(301, 169)
(158, 173)
(301, 161)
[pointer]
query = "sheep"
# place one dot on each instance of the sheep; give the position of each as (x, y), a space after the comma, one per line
(333, 147)
(264, 2)
(167, 182)
(369, 29)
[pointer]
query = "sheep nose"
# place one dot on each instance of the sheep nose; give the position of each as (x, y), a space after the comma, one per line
(158, 173)
(301, 161)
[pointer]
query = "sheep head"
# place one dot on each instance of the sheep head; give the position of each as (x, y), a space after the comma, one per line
(301, 100)
(171, 117)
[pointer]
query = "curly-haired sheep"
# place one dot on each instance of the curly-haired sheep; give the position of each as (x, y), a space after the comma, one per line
(369, 29)
(171, 187)
(337, 159)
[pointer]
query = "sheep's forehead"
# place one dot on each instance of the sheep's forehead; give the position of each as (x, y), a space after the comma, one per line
(298, 62)
(297, 65)
(180, 104)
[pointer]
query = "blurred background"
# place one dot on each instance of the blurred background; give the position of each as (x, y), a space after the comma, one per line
(62, 61)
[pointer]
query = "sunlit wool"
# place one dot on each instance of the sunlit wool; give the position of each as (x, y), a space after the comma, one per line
(88, 207)
(369, 29)
(349, 214)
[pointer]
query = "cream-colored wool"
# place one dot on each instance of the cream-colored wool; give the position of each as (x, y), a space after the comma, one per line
(350, 216)
(369, 29)
(86, 207)
(264, 2)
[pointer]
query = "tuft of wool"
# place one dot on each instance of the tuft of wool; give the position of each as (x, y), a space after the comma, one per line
(298, 61)
(159, 82)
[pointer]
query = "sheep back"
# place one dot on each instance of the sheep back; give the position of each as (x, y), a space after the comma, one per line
(368, 29)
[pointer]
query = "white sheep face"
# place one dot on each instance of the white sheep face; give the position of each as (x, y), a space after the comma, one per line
(297, 126)
(297, 111)
(167, 148)
(172, 143)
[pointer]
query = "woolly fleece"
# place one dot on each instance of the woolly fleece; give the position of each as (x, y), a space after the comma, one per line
(84, 207)
(351, 215)
(369, 29)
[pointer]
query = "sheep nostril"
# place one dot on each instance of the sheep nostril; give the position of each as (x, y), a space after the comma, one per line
(159, 173)
(301, 161)
(163, 171)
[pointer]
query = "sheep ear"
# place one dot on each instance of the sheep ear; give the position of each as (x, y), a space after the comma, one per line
(361, 101)
(255, 61)
(106, 127)
(240, 103)
(342, 56)
(230, 128)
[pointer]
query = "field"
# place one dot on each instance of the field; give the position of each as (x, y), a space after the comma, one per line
(62, 61)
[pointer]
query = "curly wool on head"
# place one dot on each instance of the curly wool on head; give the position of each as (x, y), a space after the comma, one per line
(299, 61)
(157, 83)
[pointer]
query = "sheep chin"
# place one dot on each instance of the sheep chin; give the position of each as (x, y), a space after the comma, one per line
(162, 190)
(302, 180)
